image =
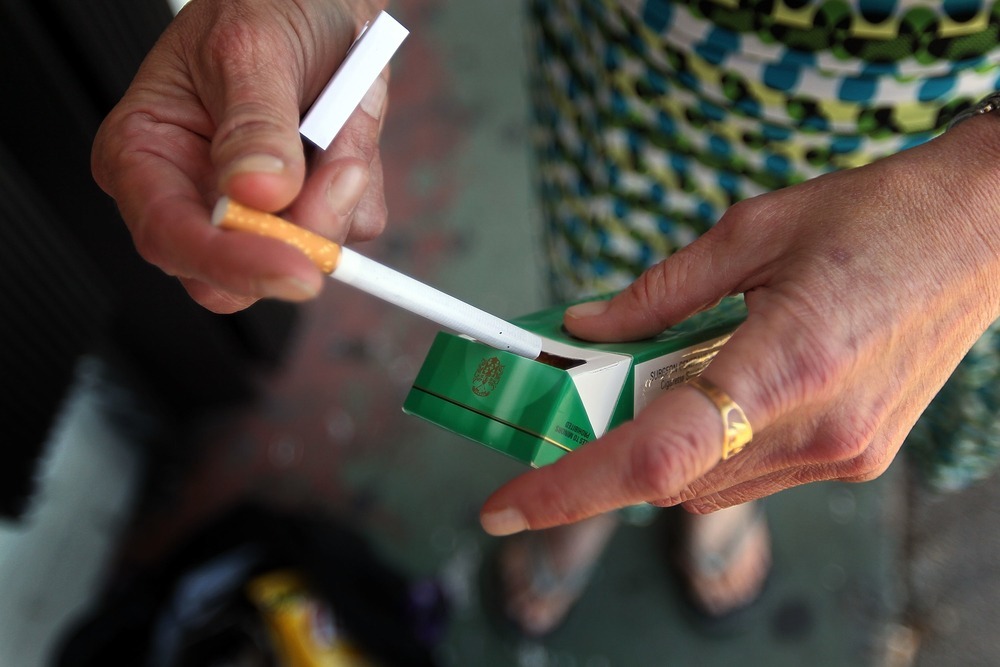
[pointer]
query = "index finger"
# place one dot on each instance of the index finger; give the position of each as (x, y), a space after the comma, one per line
(675, 440)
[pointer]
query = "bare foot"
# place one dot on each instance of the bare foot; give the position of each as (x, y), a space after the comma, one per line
(543, 573)
(726, 558)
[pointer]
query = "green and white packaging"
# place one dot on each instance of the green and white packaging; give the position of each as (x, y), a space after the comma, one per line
(537, 410)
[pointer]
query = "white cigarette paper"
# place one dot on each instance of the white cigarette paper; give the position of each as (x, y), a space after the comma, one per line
(421, 299)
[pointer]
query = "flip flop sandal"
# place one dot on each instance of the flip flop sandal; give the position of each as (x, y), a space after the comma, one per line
(709, 565)
(544, 582)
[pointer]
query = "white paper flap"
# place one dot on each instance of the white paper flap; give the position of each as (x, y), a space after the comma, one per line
(599, 380)
(366, 59)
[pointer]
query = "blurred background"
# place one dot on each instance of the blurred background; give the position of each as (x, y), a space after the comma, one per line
(130, 505)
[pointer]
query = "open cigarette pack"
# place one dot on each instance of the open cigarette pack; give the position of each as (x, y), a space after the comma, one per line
(537, 410)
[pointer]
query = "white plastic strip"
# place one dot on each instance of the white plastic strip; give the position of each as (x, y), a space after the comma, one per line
(401, 290)
(365, 60)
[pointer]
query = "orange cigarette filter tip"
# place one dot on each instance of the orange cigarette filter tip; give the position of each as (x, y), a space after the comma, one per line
(229, 214)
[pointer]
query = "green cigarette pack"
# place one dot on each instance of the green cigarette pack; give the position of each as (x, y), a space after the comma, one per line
(537, 410)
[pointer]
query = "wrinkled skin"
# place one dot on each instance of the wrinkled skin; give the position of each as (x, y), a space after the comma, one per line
(864, 288)
(214, 110)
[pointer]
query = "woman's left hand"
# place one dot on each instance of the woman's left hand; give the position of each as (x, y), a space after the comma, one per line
(864, 288)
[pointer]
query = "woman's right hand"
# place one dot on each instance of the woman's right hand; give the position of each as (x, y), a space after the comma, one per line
(214, 110)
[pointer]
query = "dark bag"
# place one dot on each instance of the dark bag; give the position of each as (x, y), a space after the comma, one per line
(193, 609)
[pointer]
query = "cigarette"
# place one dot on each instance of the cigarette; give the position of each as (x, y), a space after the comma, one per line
(376, 279)
(363, 63)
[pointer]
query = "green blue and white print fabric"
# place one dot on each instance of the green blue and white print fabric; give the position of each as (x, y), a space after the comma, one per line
(651, 117)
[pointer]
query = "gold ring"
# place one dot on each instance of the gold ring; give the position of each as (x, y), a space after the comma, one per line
(737, 433)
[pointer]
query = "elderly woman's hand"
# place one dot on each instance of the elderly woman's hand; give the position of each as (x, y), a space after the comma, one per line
(865, 288)
(215, 110)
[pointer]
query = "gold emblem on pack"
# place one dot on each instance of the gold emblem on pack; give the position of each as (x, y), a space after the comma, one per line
(487, 376)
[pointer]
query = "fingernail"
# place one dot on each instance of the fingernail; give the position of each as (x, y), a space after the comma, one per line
(255, 164)
(589, 309)
(288, 289)
(503, 522)
(346, 188)
(374, 100)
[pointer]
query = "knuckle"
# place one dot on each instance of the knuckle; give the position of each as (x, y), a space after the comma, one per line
(738, 211)
(869, 465)
(231, 40)
(244, 49)
(246, 121)
(661, 465)
(737, 218)
(642, 298)
(669, 276)
(849, 439)
(807, 367)
(367, 226)
(652, 469)
(372, 226)
(552, 503)
(648, 291)
(147, 252)
(148, 247)
(145, 249)
(815, 365)
(752, 214)
(358, 137)
(100, 159)
(118, 146)
(372, 214)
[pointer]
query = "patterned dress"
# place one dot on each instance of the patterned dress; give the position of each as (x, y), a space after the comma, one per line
(651, 117)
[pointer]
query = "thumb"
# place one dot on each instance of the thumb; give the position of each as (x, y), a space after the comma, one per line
(256, 150)
(695, 278)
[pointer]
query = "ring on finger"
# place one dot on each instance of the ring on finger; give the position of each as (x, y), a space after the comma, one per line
(736, 431)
